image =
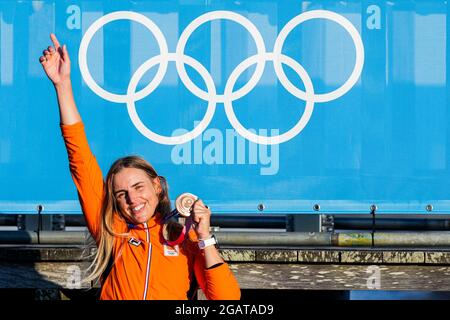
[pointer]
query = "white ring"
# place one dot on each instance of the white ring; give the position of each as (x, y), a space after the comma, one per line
(173, 139)
(347, 25)
(260, 48)
(293, 131)
(229, 95)
(82, 55)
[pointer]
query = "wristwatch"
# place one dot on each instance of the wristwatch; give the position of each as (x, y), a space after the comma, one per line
(202, 244)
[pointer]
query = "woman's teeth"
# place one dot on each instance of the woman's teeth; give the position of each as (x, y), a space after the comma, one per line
(135, 209)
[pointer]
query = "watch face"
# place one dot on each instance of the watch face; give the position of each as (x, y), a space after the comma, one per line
(208, 242)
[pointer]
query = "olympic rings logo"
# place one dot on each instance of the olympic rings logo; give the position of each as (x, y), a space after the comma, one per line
(229, 95)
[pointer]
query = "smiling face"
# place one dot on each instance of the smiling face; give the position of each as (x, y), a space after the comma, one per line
(136, 194)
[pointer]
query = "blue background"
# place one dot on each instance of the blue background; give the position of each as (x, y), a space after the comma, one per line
(386, 141)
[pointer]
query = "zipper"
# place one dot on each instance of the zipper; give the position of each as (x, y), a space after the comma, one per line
(149, 258)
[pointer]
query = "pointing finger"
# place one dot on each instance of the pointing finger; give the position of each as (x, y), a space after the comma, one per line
(55, 41)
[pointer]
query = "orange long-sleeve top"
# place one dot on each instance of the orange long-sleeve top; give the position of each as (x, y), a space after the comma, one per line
(150, 269)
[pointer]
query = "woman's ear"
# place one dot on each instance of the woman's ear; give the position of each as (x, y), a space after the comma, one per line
(157, 185)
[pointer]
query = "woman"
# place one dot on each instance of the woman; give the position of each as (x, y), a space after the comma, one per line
(126, 214)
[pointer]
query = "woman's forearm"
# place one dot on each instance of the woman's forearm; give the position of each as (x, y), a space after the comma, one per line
(68, 111)
(212, 256)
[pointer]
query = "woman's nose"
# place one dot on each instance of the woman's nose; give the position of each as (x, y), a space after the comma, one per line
(131, 197)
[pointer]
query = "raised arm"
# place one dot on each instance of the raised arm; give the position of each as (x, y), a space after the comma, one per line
(84, 168)
(56, 64)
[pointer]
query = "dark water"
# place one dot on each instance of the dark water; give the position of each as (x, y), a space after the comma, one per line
(399, 295)
(329, 295)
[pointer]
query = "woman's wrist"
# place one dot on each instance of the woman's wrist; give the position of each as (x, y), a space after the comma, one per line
(63, 84)
(204, 236)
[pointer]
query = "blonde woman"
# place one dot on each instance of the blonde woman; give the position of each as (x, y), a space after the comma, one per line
(126, 213)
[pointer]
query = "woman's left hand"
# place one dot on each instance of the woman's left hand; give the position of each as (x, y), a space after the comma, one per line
(201, 215)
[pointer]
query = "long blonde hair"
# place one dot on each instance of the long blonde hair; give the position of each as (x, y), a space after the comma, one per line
(105, 240)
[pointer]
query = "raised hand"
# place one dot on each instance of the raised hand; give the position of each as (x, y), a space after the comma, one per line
(56, 62)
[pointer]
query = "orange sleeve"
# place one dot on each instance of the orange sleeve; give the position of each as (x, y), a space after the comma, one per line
(217, 283)
(86, 174)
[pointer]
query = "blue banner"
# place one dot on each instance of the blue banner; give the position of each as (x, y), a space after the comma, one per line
(260, 107)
